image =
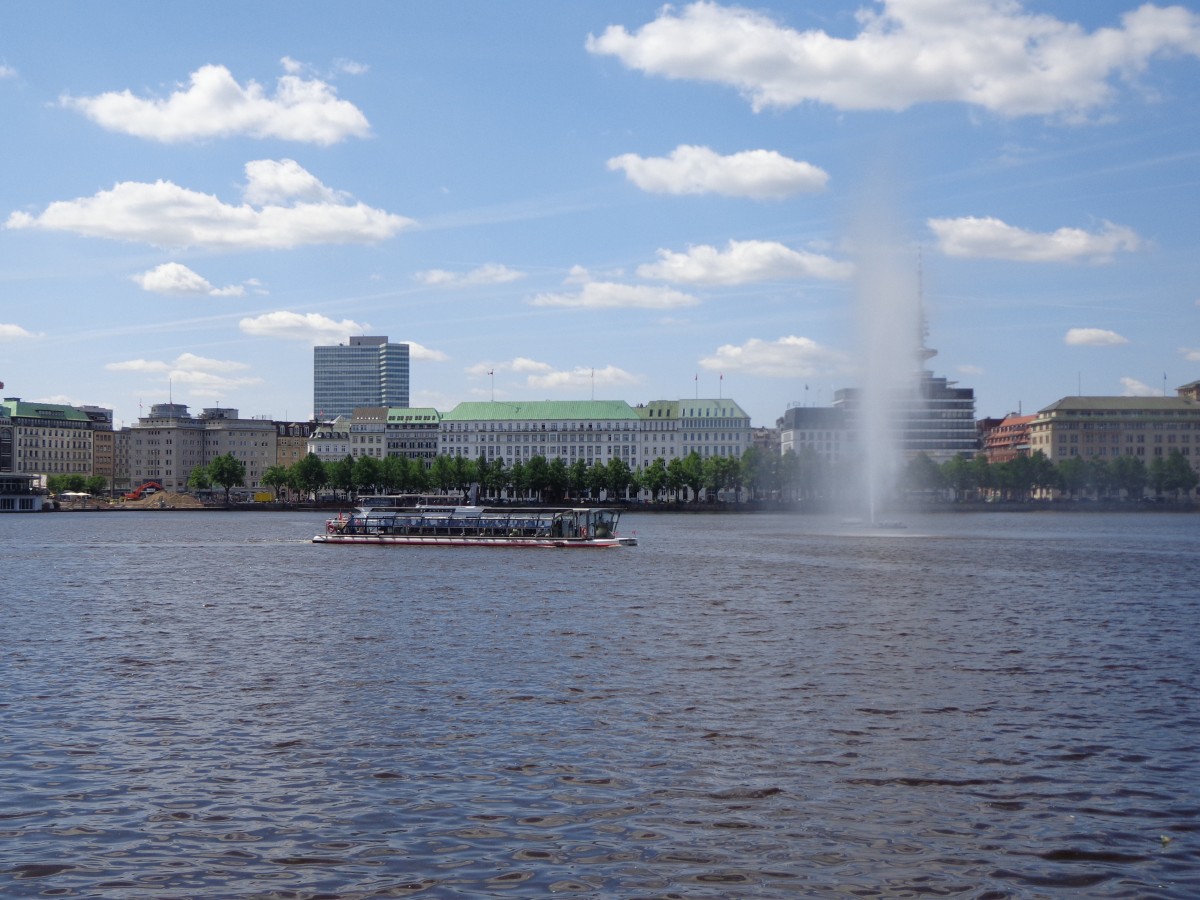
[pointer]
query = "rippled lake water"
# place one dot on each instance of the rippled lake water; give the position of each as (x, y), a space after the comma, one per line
(207, 705)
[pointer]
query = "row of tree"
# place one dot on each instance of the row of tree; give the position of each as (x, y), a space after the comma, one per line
(758, 474)
(537, 478)
(1036, 475)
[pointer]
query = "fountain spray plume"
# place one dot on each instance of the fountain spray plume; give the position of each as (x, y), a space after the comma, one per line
(890, 332)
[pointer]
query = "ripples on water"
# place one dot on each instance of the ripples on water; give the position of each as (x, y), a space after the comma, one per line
(206, 705)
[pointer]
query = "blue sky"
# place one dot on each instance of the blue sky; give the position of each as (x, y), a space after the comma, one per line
(616, 200)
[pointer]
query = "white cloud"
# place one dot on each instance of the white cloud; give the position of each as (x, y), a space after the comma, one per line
(214, 105)
(582, 376)
(491, 273)
(760, 174)
(742, 262)
(1134, 388)
(989, 53)
(991, 238)
(351, 67)
(544, 376)
(7, 71)
(296, 210)
(1093, 337)
(519, 364)
(423, 353)
(203, 375)
(970, 370)
(787, 357)
(311, 327)
(271, 181)
(1191, 354)
(11, 332)
(610, 295)
(138, 365)
(177, 279)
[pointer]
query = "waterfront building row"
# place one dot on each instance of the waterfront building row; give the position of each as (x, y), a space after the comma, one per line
(594, 431)
(52, 439)
(169, 443)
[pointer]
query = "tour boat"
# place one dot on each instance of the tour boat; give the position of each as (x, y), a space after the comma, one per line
(477, 526)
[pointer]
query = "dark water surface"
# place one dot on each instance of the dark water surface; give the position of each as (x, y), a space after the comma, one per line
(206, 705)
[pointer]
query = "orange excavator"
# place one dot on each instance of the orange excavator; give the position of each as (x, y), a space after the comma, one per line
(148, 488)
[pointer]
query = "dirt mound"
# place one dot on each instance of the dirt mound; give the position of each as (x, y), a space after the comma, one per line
(163, 500)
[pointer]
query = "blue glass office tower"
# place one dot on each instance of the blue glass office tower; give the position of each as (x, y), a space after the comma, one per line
(367, 371)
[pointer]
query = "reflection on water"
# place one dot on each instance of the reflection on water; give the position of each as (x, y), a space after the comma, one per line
(206, 705)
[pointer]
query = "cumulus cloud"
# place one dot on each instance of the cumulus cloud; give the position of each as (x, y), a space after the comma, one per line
(214, 105)
(491, 273)
(742, 262)
(7, 71)
(203, 374)
(993, 239)
(1093, 337)
(544, 376)
(612, 295)
(310, 327)
(786, 357)
(520, 364)
(1191, 354)
(11, 332)
(759, 174)
(177, 279)
(988, 53)
(423, 353)
(581, 376)
(1131, 387)
(285, 206)
(970, 370)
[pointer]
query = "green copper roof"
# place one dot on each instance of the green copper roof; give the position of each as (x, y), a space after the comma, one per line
(540, 410)
(55, 411)
(419, 414)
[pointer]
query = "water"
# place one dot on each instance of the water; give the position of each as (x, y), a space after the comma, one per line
(206, 705)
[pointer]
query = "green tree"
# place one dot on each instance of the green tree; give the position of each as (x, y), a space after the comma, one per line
(1157, 473)
(675, 477)
(756, 471)
(442, 474)
(693, 473)
(537, 474)
(559, 478)
(654, 478)
(276, 477)
(1043, 474)
(617, 477)
(393, 473)
(579, 477)
(1099, 476)
(922, 474)
(96, 485)
(199, 479)
(1129, 475)
(518, 479)
(959, 476)
(1180, 476)
(367, 474)
(341, 475)
(1072, 473)
(309, 475)
(719, 473)
(597, 475)
(227, 471)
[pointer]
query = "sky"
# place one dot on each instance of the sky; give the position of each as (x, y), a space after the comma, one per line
(608, 200)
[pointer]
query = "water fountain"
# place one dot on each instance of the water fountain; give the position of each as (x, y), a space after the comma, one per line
(890, 328)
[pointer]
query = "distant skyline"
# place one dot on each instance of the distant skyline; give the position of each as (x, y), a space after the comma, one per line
(547, 199)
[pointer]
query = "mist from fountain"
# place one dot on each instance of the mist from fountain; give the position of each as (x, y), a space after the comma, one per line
(890, 329)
